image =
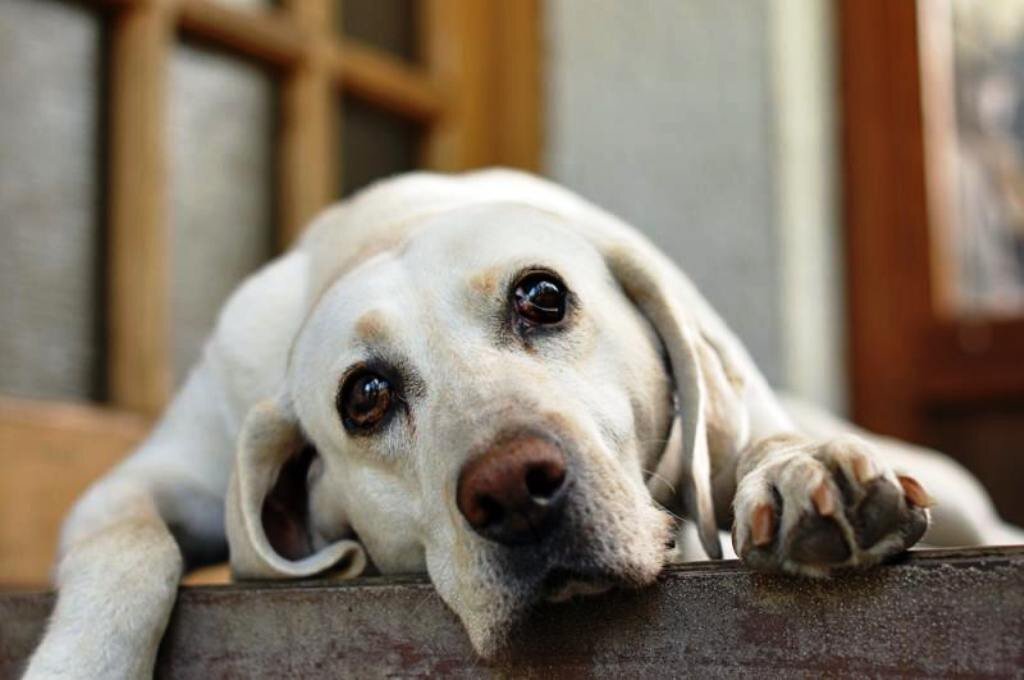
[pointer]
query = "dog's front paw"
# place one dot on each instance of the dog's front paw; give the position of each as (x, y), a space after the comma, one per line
(811, 507)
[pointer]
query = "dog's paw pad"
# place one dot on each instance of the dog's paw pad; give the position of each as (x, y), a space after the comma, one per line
(878, 514)
(817, 540)
(813, 508)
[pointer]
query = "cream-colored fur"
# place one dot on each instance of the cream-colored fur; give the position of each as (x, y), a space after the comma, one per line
(654, 401)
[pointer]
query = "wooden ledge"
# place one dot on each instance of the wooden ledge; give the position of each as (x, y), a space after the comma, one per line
(936, 613)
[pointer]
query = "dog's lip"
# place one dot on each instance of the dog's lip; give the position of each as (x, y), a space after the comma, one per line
(564, 584)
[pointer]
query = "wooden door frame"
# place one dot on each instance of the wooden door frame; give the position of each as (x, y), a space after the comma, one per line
(907, 353)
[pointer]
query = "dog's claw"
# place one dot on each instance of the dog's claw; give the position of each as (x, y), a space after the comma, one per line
(915, 493)
(863, 469)
(762, 525)
(824, 500)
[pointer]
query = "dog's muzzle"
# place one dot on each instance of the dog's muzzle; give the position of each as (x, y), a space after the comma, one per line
(514, 493)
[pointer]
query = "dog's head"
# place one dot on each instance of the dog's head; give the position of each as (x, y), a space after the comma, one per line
(487, 400)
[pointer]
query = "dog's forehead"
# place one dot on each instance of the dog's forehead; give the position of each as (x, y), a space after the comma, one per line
(493, 233)
(450, 258)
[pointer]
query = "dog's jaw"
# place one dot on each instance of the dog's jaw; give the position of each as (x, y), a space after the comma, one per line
(495, 594)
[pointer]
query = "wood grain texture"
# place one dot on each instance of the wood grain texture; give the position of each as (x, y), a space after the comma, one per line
(385, 81)
(49, 454)
(308, 170)
(937, 614)
(885, 214)
(980, 361)
(518, 77)
(486, 60)
(457, 37)
(268, 36)
(139, 279)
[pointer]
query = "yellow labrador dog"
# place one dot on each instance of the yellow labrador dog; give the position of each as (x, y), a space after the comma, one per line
(488, 379)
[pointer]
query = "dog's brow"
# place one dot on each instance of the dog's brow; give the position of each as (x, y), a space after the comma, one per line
(485, 282)
(372, 327)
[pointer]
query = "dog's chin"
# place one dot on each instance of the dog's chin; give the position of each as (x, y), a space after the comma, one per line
(491, 635)
(495, 596)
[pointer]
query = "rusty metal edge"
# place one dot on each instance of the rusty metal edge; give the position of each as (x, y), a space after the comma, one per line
(421, 651)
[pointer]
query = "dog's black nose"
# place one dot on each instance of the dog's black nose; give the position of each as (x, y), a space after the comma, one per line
(514, 492)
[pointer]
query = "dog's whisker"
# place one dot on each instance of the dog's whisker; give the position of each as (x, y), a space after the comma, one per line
(661, 478)
(678, 518)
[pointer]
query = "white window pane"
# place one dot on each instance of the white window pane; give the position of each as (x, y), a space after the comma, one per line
(222, 129)
(50, 64)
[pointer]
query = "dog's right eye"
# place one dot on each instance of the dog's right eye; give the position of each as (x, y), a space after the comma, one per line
(365, 401)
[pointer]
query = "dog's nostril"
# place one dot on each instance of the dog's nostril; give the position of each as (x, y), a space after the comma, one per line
(544, 481)
(491, 511)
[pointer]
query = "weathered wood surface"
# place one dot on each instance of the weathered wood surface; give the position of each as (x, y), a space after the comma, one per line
(935, 614)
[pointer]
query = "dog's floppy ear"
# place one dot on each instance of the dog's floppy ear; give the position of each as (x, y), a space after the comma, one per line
(267, 512)
(704, 389)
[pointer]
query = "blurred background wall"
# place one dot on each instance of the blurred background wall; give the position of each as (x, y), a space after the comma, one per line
(50, 179)
(710, 125)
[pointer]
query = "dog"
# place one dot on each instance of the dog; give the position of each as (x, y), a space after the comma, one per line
(486, 378)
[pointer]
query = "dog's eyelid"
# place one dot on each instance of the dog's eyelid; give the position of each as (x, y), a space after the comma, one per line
(532, 269)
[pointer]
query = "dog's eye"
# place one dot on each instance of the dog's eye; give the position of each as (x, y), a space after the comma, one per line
(539, 297)
(364, 401)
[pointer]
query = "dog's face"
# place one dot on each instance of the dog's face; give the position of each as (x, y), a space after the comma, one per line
(485, 402)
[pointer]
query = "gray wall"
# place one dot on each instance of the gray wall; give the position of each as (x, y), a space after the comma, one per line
(669, 113)
(49, 200)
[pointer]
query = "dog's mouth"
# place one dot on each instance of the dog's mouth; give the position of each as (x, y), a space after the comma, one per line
(570, 566)
(561, 585)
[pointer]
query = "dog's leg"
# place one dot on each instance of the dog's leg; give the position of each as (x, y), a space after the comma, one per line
(810, 506)
(117, 586)
(124, 545)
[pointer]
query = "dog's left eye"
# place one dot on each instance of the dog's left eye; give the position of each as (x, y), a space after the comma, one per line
(539, 297)
(364, 401)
